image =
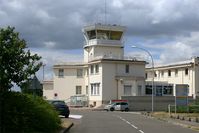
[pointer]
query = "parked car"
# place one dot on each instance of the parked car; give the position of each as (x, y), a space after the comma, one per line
(118, 106)
(60, 107)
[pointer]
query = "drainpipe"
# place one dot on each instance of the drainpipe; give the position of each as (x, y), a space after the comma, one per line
(117, 88)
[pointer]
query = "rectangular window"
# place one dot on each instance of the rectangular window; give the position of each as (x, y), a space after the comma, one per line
(148, 90)
(96, 68)
(78, 90)
(158, 90)
(186, 71)
(146, 75)
(92, 69)
(87, 90)
(79, 72)
(127, 90)
(139, 90)
(127, 68)
(61, 73)
(95, 89)
(176, 72)
(155, 74)
(168, 90)
(162, 73)
(169, 73)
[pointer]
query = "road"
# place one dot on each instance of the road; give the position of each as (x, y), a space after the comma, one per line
(121, 122)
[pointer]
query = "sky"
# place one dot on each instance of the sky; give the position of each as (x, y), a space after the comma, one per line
(168, 29)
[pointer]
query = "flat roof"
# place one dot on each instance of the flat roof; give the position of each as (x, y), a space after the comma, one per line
(173, 65)
(100, 26)
(118, 60)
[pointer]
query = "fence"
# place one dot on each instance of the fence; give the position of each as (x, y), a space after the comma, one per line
(79, 101)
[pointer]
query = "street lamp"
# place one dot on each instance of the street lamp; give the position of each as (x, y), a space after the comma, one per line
(152, 101)
(43, 65)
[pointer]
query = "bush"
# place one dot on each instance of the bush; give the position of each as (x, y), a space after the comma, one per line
(26, 113)
(185, 109)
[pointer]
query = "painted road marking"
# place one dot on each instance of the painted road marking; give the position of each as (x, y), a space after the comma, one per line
(141, 131)
(130, 124)
(134, 126)
(75, 116)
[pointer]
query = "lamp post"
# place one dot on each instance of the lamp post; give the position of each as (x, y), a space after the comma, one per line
(43, 70)
(152, 100)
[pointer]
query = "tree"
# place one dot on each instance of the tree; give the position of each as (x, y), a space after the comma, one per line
(18, 65)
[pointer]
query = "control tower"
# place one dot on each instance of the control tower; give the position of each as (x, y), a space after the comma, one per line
(103, 41)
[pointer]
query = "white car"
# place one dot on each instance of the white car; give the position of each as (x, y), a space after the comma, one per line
(118, 106)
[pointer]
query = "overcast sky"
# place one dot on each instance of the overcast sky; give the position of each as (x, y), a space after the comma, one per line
(169, 29)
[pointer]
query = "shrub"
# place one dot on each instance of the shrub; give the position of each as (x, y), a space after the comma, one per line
(26, 113)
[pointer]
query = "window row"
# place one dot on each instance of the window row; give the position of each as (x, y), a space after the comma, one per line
(159, 90)
(95, 89)
(162, 73)
(78, 74)
(94, 68)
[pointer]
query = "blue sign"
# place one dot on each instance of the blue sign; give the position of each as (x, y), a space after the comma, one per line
(182, 94)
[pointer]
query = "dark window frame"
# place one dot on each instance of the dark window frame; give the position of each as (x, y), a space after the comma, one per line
(127, 68)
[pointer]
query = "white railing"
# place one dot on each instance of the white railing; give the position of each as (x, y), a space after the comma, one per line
(106, 42)
(116, 57)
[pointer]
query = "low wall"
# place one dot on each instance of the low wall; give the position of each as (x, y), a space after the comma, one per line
(144, 103)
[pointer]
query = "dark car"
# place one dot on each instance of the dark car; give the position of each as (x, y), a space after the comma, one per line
(60, 107)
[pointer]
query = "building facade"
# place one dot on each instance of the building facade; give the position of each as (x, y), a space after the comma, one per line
(166, 77)
(104, 74)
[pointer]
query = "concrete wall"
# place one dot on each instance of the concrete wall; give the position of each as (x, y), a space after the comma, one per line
(114, 52)
(66, 86)
(114, 88)
(109, 81)
(143, 103)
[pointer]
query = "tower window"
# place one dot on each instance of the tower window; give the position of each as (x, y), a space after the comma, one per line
(91, 34)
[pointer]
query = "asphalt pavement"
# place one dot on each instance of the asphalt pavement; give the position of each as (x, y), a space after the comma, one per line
(121, 122)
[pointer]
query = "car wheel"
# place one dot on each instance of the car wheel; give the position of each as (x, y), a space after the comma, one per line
(66, 116)
(126, 109)
(111, 109)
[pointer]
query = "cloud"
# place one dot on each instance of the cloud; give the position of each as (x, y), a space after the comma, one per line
(61, 22)
(176, 52)
(169, 29)
(51, 57)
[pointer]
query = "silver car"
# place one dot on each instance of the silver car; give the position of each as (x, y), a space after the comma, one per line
(118, 106)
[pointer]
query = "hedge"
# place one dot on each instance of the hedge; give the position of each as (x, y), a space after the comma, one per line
(25, 113)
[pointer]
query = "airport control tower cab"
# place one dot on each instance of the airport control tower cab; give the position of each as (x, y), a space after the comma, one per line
(103, 41)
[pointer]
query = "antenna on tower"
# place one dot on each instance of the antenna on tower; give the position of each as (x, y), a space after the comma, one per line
(105, 12)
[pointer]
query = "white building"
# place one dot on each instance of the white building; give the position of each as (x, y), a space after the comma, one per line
(105, 73)
(167, 76)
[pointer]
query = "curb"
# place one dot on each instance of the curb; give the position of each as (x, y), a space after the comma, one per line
(172, 122)
(66, 129)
